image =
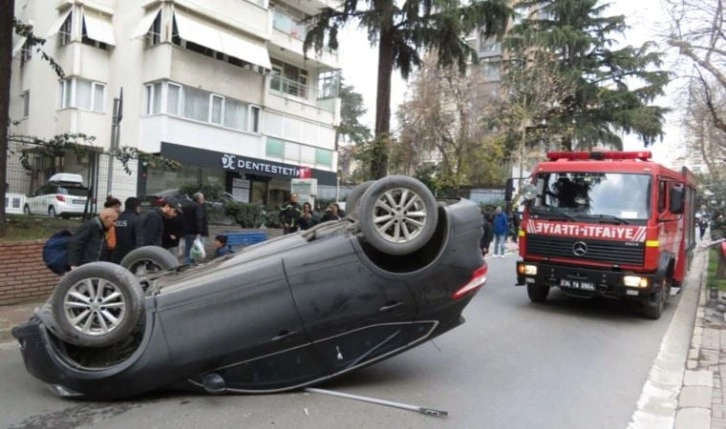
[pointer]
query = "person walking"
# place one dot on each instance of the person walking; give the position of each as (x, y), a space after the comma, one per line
(197, 224)
(332, 213)
(488, 234)
(88, 244)
(150, 230)
(289, 214)
(501, 230)
(126, 229)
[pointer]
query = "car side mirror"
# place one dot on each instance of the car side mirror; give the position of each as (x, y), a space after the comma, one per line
(676, 199)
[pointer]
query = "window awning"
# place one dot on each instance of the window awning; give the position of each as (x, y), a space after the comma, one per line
(194, 30)
(18, 46)
(145, 23)
(99, 29)
(57, 24)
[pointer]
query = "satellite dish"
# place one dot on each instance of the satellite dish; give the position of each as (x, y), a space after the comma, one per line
(528, 191)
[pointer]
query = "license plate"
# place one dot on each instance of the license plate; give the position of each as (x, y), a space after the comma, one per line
(79, 201)
(576, 284)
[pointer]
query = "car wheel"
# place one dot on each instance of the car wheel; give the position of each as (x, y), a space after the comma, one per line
(149, 259)
(537, 293)
(351, 202)
(654, 303)
(26, 209)
(97, 304)
(51, 211)
(397, 215)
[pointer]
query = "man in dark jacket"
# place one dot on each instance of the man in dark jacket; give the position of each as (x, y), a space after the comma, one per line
(126, 229)
(197, 224)
(150, 228)
(289, 214)
(488, 234)
(89, 241)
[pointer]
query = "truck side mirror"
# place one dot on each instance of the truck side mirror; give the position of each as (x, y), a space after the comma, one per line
(676, 199)
(528, 192)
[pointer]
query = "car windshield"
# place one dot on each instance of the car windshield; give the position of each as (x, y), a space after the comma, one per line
(74, 191)
(609, 196)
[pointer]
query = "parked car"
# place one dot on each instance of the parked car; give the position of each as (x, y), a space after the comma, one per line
(64, 195)
(290, 312)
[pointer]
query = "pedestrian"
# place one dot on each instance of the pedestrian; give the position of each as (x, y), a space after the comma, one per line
(150, 228)
(702, 226)
(514, 225)
(501, 229)
(289, 214)
(221, 247)
(488, 234)
(115, 204)
(331, 213)
(174, 230)
(89, 242)
(196, 222)
(126, 229)
(308, 218)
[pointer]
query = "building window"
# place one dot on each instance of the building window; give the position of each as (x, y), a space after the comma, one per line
(153, 98)
(91, 42)
(288, 79)
(66, 93)
(66, 31)
(196, 104)
(173, 99)
(26, 53)
(289, 21)
(216, 109)
(82, 94)
(254, 125)
(324, 157)
(275, 148)
(26, 103)
(491, 69)
(328, 84)
(153, 37)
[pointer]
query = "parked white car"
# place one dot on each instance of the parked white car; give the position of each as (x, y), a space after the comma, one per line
(64, 195)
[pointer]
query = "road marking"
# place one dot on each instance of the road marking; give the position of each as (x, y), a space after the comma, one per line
(658, 401)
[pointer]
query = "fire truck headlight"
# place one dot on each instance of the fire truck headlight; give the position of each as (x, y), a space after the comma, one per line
(635, 281)
(527, 270)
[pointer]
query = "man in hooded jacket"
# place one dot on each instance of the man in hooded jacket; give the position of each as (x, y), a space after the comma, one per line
(150, 228)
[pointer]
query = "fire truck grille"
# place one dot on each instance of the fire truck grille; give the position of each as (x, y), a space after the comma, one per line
(610, 252)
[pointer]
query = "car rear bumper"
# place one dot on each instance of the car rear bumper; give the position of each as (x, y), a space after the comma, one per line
(584, 282)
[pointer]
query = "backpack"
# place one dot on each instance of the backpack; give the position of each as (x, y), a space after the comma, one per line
(55, 251)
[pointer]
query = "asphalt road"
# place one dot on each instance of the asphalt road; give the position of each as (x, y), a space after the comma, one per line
(566, 364)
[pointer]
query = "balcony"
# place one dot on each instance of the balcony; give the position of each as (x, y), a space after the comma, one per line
(249, 15)
(288, 35)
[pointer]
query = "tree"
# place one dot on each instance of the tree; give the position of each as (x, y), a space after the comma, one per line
(402, 31)
(354, 134)
(442, 123)
(697, 32)
(605, 99)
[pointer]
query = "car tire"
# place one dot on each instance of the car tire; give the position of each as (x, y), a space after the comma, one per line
(110, 297)
(353, 199)
(26, 209)
(51, 211)
(409, 204)
(537, 293)
(149, 259)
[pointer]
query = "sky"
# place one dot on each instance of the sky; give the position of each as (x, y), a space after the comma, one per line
(645, 18)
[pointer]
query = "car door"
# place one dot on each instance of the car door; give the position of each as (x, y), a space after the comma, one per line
(37, 200)
(351, 312)
(239, 320)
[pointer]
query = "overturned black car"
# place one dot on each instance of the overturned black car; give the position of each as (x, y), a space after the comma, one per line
(287, 313)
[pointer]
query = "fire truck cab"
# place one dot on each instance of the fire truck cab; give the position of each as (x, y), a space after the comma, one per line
(612, 224)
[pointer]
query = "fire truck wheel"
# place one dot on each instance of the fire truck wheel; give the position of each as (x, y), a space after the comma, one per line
(537, 293)
(653, 304)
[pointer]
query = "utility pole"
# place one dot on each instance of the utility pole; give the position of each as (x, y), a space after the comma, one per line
(118, 107)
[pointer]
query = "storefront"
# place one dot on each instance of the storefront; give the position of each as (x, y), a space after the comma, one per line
(247, 179)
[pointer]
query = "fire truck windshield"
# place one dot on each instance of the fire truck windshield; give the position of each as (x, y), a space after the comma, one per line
(614, 196)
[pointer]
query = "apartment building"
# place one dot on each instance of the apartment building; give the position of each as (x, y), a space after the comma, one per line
(223, 86)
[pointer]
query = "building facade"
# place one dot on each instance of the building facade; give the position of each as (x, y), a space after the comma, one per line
(223, 86)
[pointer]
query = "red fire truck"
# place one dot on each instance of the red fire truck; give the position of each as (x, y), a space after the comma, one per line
(613, 224)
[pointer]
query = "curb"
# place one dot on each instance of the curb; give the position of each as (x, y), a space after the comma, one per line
(659, 406)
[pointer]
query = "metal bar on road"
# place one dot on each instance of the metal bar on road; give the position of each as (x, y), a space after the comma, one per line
(422, 410)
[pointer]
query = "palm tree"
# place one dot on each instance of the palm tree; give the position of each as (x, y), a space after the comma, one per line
(403, 32)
